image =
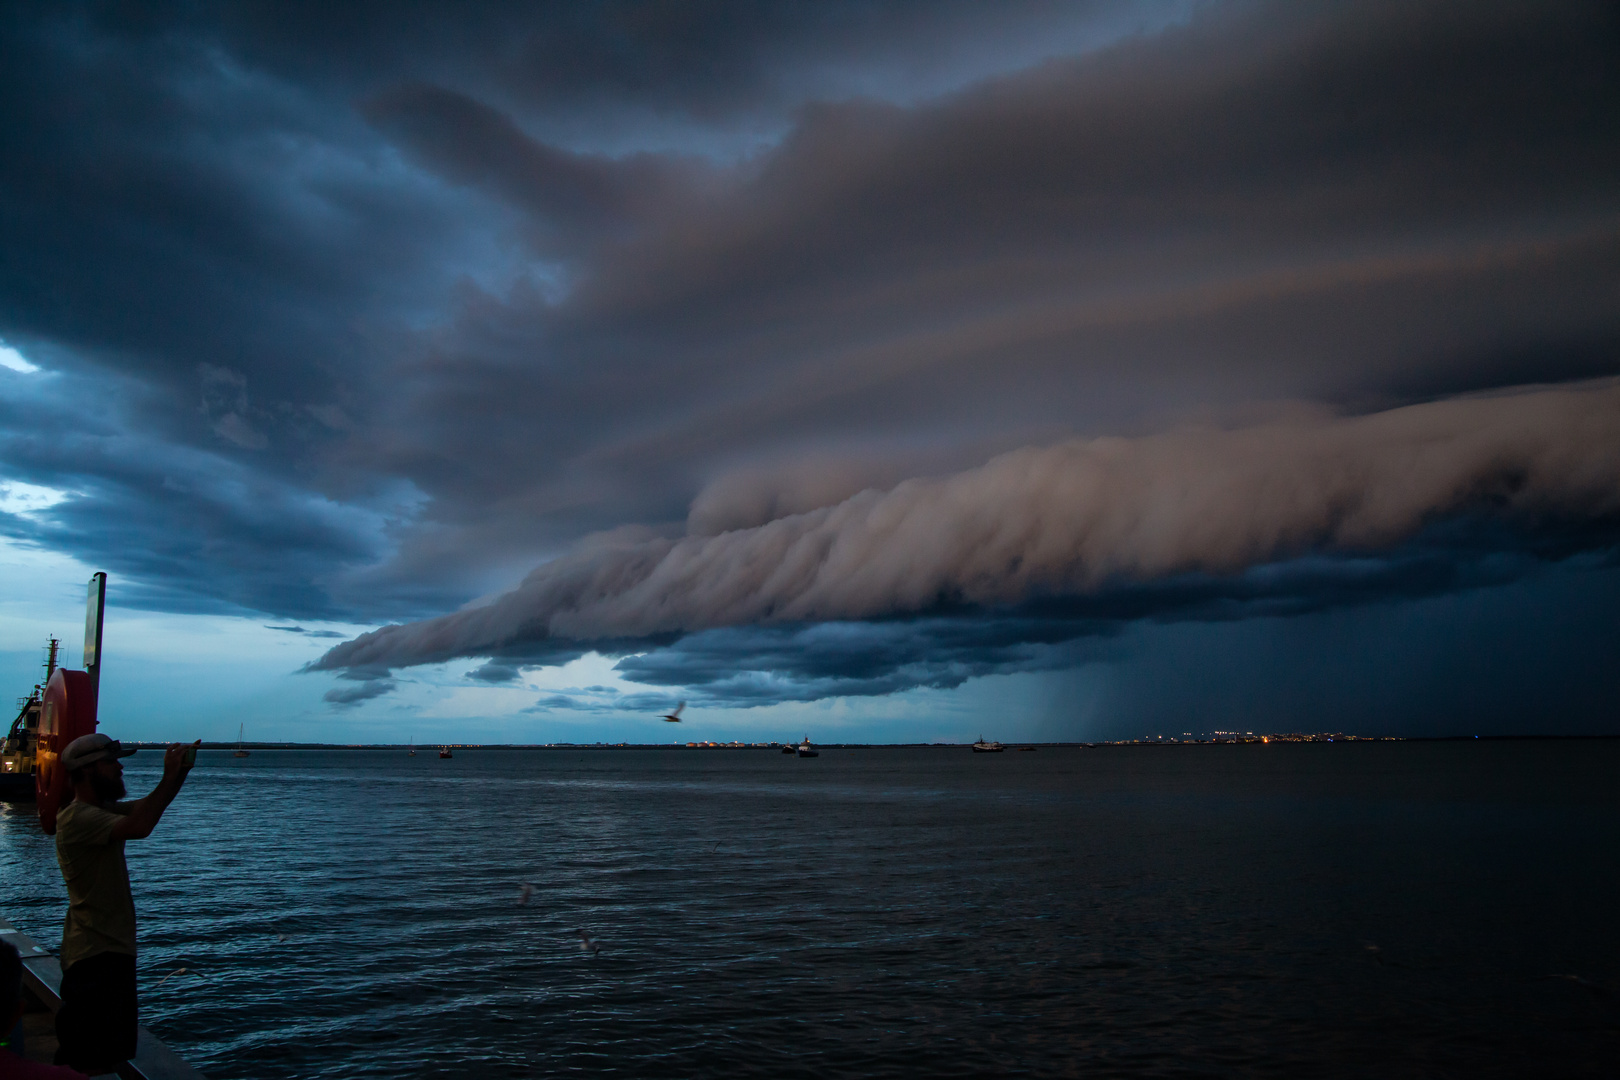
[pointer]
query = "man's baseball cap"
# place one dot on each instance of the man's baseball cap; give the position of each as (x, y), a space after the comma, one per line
(89, 749)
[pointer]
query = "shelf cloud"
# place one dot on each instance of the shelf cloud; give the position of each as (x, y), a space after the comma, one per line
(807, 350)
(1058, 525)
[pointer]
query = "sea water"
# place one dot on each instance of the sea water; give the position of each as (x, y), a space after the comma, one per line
(1356, 909)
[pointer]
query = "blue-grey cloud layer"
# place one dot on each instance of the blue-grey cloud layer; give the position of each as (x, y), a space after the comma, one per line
(352, 315)
(991, 569)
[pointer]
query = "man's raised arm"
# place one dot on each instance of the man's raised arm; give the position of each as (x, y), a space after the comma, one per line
(144, 814)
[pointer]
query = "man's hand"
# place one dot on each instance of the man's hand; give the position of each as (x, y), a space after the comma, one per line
(179, 758)
(143, 814)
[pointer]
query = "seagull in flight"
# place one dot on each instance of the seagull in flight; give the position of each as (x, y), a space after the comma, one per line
(674, 717)
(180, 971)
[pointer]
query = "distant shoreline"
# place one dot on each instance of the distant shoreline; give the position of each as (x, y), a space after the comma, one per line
(1256, 741)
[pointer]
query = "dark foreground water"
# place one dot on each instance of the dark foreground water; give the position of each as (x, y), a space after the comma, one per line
(1408, 909)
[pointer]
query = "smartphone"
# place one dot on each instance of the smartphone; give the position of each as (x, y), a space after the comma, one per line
(191, 756)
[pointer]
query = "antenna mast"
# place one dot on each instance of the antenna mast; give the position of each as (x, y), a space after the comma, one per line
(94, 608)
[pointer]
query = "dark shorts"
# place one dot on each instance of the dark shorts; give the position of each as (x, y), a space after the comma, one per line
(96, 1026)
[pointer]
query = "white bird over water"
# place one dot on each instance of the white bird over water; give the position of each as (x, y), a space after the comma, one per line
(674, 717)
(179, 971)
(586, 944)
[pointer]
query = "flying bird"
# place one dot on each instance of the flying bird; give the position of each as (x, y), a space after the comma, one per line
(586, 944)
(180, 971)
(675, 717)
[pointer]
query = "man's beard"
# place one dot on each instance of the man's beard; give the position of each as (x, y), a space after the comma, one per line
(107, 788)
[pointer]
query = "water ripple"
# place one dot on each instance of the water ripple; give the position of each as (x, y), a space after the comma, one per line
(1201, 911)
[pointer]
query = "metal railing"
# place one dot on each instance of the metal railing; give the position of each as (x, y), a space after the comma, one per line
(42, 978)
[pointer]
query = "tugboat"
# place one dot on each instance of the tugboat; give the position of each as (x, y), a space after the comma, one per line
(444, 751)
(19, 752)
(982, 747)
(803, 749)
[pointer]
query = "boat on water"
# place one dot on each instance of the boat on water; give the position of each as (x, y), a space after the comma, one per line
(413, 749)
(241, 751)
(982, 747)
(804, 750)
(19, 754)
(788, 748)
(444, 751)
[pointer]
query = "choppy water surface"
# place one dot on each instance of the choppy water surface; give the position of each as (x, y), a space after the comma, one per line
(1293, 910)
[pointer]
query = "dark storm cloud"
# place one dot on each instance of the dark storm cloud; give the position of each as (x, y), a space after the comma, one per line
(180, 528)
(359, 314)
(574, 199)
(560, 701)
(1347, 211)
(581, 68)
(749, 666)
(602, 701)
(368, 682)
(344, 697)
(1534, 655)
(1082, 536)
(495, 673)
(165, 211)
(195, 198)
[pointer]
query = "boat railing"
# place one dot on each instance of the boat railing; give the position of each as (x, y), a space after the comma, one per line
(42, 980)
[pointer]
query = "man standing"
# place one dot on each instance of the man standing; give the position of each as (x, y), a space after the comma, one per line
(96, 1027)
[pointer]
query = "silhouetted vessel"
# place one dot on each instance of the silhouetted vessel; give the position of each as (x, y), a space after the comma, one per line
(803, 749)
(241, 751)
(982, 747)
(444, 751)
(19, 753)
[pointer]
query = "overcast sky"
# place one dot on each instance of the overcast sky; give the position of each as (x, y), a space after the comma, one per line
(1057, 370)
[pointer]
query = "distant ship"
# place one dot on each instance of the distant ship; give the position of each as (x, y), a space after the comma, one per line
(18, 752)
(803, 749)
(241, 751)
(444, 751)
(982, 747)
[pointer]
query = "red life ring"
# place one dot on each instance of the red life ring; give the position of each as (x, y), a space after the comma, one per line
(68, 711)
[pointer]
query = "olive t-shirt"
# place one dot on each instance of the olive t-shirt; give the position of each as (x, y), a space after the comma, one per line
(101, 911)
